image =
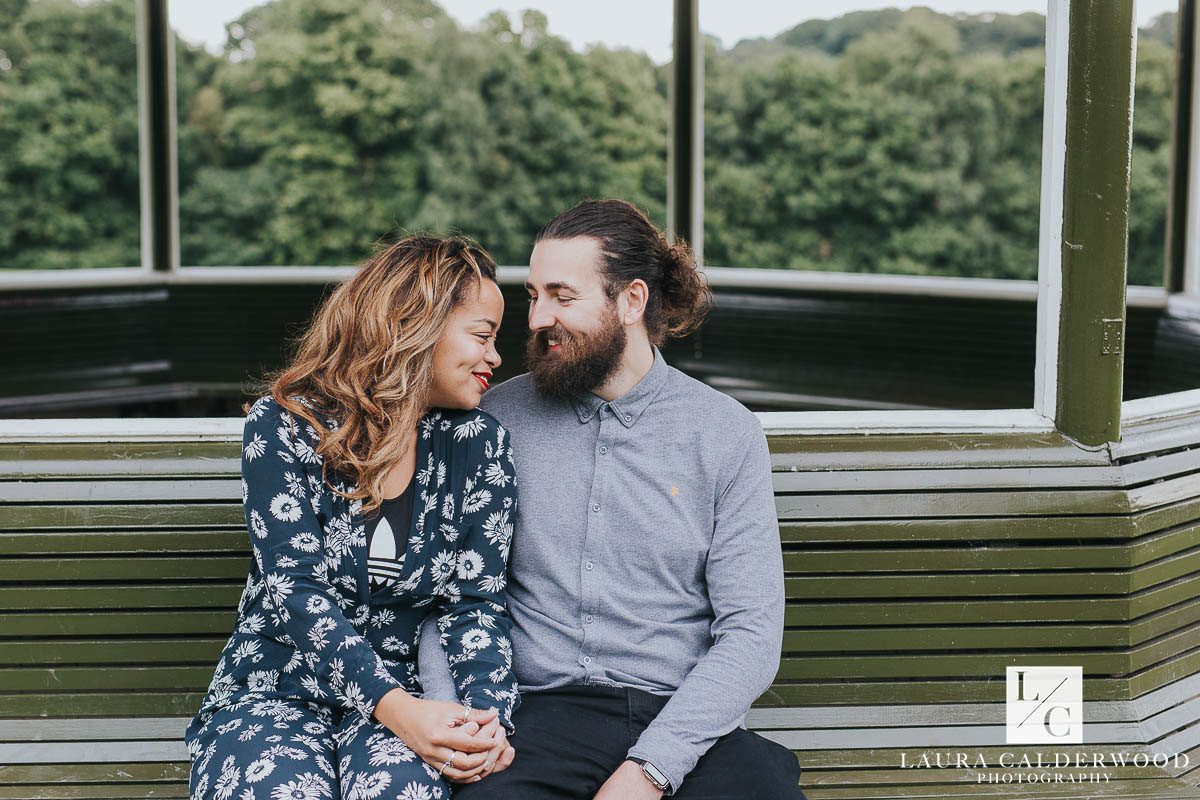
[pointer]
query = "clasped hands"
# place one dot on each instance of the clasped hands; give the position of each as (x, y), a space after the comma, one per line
(464, 745)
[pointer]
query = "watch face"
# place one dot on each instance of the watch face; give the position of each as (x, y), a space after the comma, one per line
(656, 777)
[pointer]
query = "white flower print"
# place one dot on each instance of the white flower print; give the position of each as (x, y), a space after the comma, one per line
(257, 525)
(308, 786)
(368, 787)
(497, 528)
(263, 680)
(279, 587)
(496, 475)
(285, 508)
(310, 683)
(443, 566)
(250, 732)
(255, 448)
(492, 583)
(318, 634)
(304, 451)
(257, 409)
(415, 791)
(306, 542)
(386, 749)
(247, 794)
(295, 484)
(247, 649)
(257, 770)
(476, 500)
(228, 780)
(476, 639)
(316, 604)
(468, 429)
(470, 564)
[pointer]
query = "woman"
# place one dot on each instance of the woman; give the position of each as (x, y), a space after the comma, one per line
(375, 493)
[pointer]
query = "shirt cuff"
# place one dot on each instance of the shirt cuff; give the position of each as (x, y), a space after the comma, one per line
(674, 759)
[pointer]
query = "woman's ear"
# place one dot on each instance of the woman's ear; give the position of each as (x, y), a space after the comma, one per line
(634, 297)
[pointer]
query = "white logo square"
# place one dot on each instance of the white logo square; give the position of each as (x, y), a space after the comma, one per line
(1044, 705)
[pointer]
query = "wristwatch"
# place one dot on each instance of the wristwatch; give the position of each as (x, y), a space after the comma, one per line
(652, 773)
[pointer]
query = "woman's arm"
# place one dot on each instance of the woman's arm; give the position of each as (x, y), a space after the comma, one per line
(475, 624)
(289, 546)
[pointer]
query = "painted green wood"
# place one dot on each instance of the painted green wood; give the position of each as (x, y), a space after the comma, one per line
(71, 679)
(990, 636)
(1051, 527)
(109, 651)
(986, 555)
(100, 704)
(189, 566)
(1095, 219)
(80, 543)
(117, 623)
(963, 506)
(68, 791)
(149, 596)
(944, 689)
(118, 515)
(932, 450)
(133, 456)
(16, 774)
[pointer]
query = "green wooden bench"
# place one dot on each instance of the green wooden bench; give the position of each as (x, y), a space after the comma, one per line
(918, 568)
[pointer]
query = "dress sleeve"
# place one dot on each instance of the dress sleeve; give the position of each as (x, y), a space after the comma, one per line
(475, 624)
(289, 546)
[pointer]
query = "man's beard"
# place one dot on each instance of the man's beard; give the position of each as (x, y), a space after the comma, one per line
(582, 363)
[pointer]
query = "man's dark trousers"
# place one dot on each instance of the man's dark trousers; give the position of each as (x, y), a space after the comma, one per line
(569, 741)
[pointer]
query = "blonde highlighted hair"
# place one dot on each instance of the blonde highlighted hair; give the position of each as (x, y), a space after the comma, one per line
(367, 359)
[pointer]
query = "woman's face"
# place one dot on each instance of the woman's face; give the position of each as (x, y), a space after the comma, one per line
(465, 356)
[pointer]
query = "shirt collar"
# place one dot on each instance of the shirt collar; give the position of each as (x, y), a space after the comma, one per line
(629, 406)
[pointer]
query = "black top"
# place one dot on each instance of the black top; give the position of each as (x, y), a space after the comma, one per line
(387, 538)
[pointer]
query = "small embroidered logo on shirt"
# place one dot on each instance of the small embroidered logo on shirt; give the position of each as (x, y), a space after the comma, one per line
(674, 491)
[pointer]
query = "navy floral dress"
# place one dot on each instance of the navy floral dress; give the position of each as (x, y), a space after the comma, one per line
(288, 713)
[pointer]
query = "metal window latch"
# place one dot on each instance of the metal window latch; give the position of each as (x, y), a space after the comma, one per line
(1112, 336)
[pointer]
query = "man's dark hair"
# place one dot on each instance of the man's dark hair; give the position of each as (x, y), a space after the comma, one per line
(632, 248)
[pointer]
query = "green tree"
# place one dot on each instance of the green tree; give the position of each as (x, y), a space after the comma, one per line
(69, 120)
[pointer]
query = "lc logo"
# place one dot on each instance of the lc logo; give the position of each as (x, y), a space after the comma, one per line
(1044, 705)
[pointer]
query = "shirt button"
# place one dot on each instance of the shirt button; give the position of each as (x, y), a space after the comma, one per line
(629, 418)
(588, 566)
(603, 449)
(587, 659)
(596, 507)
(589, 619)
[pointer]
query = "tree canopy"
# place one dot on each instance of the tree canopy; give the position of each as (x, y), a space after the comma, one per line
(882, 141)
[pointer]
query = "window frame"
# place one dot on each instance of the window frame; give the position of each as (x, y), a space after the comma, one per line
(158, 160)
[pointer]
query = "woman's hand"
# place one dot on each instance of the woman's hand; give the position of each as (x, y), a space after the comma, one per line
(440, 732)
(500, 757)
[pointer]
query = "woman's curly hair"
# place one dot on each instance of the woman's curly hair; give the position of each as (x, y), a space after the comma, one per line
(366, 361)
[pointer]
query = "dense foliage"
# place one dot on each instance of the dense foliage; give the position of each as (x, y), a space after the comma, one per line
(886, 141)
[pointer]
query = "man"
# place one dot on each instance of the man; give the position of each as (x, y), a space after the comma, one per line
(646, 578)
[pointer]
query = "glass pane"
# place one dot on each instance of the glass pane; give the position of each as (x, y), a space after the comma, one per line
(1152, 99)
(886, 140)
(69, 123)
(308, 128)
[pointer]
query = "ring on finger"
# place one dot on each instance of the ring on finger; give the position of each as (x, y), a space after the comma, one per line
(449, 762)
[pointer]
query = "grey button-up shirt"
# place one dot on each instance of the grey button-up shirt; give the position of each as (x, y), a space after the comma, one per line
(646, 553)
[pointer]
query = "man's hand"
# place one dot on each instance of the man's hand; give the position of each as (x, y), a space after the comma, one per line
(628, 783)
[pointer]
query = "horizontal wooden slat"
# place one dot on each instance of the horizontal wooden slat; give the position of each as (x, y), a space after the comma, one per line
(149, 596)
(108, 491)
(116, 623)
(100, 704)
(181, 567)
(100, 651)
(78, 516)
(88, 542)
